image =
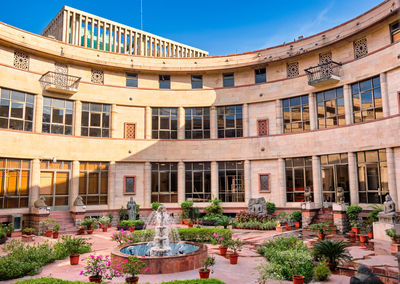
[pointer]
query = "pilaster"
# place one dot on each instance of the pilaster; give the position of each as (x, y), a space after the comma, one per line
(384, 94)
(147, 185)
(213, 123)
(181, 123)
(148, 123)
(348, 104)
(78, 118)
(111, 185)
(353, 178)
(247, 181)
(181, 182)
(391, 170)
(317, 181)
(281, 200)
(35, 182)
(279, 116)
(245, 120)
(38, 113)
(313, 111)
(74, 191)
(214, 180)
(114, 126)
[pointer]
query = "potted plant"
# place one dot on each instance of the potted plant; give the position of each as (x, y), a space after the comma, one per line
(224, 221)
(9, 229)
(284, 219)
(298, 279)
(235, 245)
(363, 235)
(186, 206)
(74, 247)
(47, 223)
(190, 224)
(111, 216)
(208, 263)
(3, 236)
(133, 266)
(353, 213)
(81, 230)
(333, 251)
(296, 217)
(105, 221)
(222, 241)
(89, 223)
(99, 268)
(155, 205)
(56, 229)
(321, 229)
(28, 231)
(393, 235)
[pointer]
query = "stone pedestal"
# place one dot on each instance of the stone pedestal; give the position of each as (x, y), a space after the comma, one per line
(37, 216)
(280, 229)
(340, 217)
(78, 216)
(380, 228)
(308, 212)
(26, 238)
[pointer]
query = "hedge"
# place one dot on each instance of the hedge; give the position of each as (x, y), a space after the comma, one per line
(45, 280)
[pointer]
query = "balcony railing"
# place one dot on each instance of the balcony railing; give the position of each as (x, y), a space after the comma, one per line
(60, 83)
(324, 74)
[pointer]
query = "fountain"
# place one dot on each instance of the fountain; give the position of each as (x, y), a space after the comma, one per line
(166, 253)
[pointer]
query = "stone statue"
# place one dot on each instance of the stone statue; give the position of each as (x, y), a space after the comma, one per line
(79, 201)
(257, 205)
(390, 206)
(131, 206)
(307, 194)
(340, 195)
(40, 203)
(365, 275)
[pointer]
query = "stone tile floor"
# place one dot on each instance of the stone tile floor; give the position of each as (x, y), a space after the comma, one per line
(375, 254)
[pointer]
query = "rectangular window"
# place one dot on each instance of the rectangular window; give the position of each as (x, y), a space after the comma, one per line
(164, 182)
(164, 81)
(129, 184)
(230, 121)
(95, 120)
(131, 80)
(14, 183)
(164, 123)
(16, 110)
(228, 80)
(264, 182)
(298, 177)
(395, 31)
(262, 127)
(197, 81)
(372, 176)
(231, 181)
(57, 116)
(367, 100)
(93, 182)
(260, 75)
(296, 115)
(198, 181)
(197, 123)
(335, 174)
(330, 108)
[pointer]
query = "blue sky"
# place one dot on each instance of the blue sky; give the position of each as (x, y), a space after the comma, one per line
(218, 26)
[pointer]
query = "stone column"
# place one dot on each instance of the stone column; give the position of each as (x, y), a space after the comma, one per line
(74, 191)
(114, 126)
(313, 111)
(148, 123)
(391, 171)
(34, 191)
(247, 181)
(38, 114)
(385, 95)
(348, 104)
(317, 181)
(281, 200)
(246, 120)
(213, 123)
(147, 185)
(111, 185)
(353, 178)
(78, 118)
(181, 182)
(214, 180)
(279, 116)
(181, 123)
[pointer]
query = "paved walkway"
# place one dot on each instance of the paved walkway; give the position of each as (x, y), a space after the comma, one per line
(376, 254)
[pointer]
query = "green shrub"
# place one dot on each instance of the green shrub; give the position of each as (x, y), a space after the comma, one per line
(214, 208)
(186, 206)
(270, 208)
(321, 272)
(45, 280)
(296, 216)
(334, 251)
(195, 281)
(155, 205)
(353, 212)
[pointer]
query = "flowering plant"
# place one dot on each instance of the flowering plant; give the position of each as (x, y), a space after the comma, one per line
(133, 266)
(220, 240)
(100, 266)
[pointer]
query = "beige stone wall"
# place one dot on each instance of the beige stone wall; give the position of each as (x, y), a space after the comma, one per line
(133, 115)
(262, 111)
(265, 167)
(128, 169)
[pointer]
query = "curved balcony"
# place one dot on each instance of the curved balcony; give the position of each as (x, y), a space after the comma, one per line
(60, 83)
(324, 74)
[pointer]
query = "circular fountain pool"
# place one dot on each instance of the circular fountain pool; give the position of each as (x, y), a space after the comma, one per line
(191, 258)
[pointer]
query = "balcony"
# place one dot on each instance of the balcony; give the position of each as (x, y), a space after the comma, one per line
(324, 74)
(60, 83)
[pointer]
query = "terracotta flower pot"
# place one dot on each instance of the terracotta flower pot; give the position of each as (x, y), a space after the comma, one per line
(233, 258)
(204, 274)
(105, 229)
(370, 235)
(55, 235)
(49, 233)
(101, 226)
(352, 234)
(356, 230)
(28, 233)
(321, 236)
(186, 221)
(363, 238)
(131, 280)
(81, 231)
(95, 279)
(297, 224)
(89, 231)
(298, 279)
(222, 251)
(109, 225)
(131, 229)
(74, 259)
(288, 227)
(190, 225)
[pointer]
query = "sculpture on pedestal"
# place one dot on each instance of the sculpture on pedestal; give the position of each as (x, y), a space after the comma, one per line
(79, 201)
(389, 206)
(131, 206)
(257, 205)
(340, 195)
(307, 194)
(40, 203)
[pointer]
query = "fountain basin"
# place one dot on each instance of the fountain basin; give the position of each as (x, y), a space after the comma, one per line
(197, 253)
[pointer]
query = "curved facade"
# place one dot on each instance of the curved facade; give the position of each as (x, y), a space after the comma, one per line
(319, 113)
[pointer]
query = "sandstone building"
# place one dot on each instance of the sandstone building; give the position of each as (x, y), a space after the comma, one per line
(104, 111)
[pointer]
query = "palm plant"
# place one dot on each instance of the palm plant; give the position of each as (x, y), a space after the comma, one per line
(334, 251)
